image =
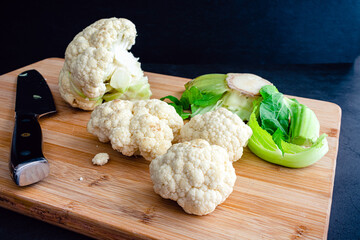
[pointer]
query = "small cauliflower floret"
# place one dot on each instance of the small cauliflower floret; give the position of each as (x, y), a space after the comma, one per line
(197, 175)
(220, 127)
(143, 127)
(100, 159)
(98, 66)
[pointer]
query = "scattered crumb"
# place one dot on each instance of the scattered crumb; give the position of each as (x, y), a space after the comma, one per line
(100, 159)
(81, 178)
(97, 145)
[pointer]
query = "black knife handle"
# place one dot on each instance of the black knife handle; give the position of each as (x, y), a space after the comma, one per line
(26, 150)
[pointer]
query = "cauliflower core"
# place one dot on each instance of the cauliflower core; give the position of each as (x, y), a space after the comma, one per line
(100, 159)
(197, 175)
(98, 66)
(143, 127)
(220, 127)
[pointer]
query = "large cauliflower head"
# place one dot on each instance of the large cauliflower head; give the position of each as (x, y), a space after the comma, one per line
(197, 175)
(220, 127)
(98, 66)
(143, 127)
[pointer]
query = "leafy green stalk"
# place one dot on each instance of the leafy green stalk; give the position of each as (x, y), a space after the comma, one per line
(196, 109)
(209, 92)
(304, 125)
(263, 144)
(215, 84)
(274, 113)
(237, 103)
(192, 99)
(287, 119)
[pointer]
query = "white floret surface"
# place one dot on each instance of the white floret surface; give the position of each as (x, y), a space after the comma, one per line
(100, 159)
(93, 56)
(197, 175)
(220, 127)
(143, 127)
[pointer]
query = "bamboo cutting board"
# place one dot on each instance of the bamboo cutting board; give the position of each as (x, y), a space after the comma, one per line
(117, 200)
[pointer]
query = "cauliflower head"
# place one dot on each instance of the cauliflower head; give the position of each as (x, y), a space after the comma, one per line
(220, 127)
(142, 127)
(98, 66)
(197, 175)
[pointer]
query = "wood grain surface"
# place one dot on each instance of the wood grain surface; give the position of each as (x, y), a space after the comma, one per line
(117, 200)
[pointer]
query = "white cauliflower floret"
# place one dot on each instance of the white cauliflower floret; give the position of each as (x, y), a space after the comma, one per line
(197, 175)
(100, 159)
(220, 127)
(99, 67)
(143, 127)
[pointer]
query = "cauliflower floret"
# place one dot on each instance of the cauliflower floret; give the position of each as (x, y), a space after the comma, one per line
(197, 175)
(220, 127)
(143, 127)
(100, 159)
(99, 67)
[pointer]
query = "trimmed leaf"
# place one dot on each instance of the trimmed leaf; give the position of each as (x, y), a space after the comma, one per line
(274, 114)
(278, 137)
(171, 98)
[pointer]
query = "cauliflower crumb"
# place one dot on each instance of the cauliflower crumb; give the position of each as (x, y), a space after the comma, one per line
(100, 159)
(220, 127)
(197, 175)
(144, 127)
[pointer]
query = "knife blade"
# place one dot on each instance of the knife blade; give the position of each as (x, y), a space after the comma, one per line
(33, 100)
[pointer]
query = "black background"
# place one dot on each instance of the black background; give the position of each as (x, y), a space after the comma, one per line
(185, 32)
(307, 48)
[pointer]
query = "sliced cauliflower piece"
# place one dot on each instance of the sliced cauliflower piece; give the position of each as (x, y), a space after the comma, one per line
(220, 127)
(197, 175)
(143, 127)
(98, 66)
(100, 159)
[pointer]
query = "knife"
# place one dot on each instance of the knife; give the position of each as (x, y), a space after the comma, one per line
(33, 100)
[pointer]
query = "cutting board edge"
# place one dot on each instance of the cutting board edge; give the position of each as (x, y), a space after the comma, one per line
(59, 217)
(326, 230)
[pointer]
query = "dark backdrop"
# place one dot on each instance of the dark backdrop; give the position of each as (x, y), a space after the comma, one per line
(184, 32)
